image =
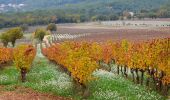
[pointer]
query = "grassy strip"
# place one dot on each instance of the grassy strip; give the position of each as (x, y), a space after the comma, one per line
(42, 77)
(46, 77)
(110, 86)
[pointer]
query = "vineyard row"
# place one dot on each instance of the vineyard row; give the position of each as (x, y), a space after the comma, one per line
(150, 59)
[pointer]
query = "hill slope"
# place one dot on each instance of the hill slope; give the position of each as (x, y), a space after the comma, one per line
(105, 5)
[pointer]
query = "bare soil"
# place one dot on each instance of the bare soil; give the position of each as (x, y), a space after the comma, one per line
(100, 34)
(21, 93)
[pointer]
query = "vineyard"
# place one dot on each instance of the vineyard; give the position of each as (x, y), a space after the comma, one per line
(5, 56)
(84, 49)
(148, 60)
(80, 66)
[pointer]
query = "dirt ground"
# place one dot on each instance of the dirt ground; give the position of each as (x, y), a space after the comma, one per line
(21, 93)
(98, 33)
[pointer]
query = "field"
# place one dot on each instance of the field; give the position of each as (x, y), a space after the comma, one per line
(103, 33)
(99, 32)
(59, 70)
(116, 31)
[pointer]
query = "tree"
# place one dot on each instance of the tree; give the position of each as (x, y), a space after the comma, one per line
(39, 34)
(52, 27)
(141, 16)
(4, 39)
(152, 15)
(14, 34)
(94, 18)
(163, 13)
(23, 58)
(113, 17)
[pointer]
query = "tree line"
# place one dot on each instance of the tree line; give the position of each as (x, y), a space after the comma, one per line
(44, 17)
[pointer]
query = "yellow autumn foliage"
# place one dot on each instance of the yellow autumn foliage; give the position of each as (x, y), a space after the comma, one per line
(24, 56)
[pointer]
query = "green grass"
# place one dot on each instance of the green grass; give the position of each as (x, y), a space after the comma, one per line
(46, 77)
(113, 87)
(9, 76)
(43, 77)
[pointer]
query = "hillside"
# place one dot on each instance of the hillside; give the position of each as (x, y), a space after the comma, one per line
(41, 12)
(97, 5)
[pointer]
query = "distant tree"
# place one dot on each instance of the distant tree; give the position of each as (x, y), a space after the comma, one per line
(14, 34)
(163, 13)
(52, 27)
(113, 17)
(54, 19)
(4, 39)
(152, 15)
(39, 34)
(141, 15)
(102, 17)
(94, 18)
(144, 11)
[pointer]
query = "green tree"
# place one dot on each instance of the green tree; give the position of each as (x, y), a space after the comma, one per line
(94, 18)
(39, 34)
(14, 34)
(163, 13)
(52, 27)
(4, 39)
(113, 17)
(141, 16)
(152, 15)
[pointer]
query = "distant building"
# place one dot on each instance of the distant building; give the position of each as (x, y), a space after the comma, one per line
(10, 6)
(128, 15)
(131, 14)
